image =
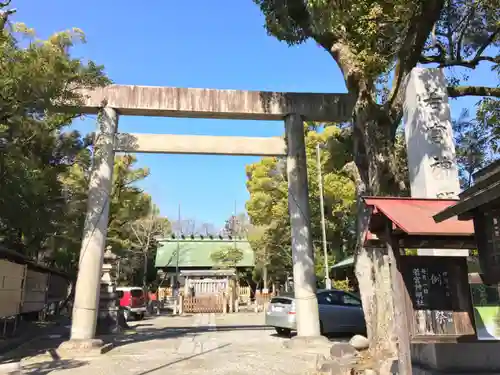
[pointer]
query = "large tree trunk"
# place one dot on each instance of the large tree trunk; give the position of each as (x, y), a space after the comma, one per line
(373, 158)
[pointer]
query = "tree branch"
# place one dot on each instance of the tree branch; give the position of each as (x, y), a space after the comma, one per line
(442, 61)
(472, 64)
(419, 29)
(136, 235)
(4, 14)
(458, 91)
(468, 20)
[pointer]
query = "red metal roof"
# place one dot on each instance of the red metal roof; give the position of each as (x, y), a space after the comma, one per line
(414, 216)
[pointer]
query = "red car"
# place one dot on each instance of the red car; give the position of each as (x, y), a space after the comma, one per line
(133, 301)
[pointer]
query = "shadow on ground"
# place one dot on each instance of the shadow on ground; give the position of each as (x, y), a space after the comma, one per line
(147, 334)
(140, 333)
(344, 336)
(43, 368)
(168, 364)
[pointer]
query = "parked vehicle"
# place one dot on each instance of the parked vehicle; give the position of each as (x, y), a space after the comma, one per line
(134, 302)
(339, 312)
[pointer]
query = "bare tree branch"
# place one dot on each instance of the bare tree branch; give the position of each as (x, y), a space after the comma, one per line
(421, 26)
(468, 18)
(457, 91)
(137, 235)
(472, 64)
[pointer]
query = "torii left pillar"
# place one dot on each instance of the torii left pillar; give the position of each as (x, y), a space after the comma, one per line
(86, 304)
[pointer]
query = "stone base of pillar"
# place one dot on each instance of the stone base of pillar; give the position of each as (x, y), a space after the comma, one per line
(111, 322)
(309, 344)
(82, 348)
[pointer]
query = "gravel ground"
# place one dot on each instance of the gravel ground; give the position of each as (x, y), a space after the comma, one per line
(233, 344)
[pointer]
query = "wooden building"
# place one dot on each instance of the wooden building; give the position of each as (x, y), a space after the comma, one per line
(205, 284)
(481, 203)
(195, 253)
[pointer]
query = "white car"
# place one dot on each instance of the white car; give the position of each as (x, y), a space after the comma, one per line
(339, 312)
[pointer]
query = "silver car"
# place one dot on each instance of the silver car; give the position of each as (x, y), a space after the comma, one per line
(339, 312)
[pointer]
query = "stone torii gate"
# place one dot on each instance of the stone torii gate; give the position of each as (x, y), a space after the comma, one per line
(115, 100)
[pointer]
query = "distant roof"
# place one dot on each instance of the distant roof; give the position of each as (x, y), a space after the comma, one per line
(197, 252)
(414, 216)
(347, 262)
(16, 257)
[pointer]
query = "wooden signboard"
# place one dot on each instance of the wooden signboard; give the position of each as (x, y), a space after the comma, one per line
(487, 228)
(437, 303)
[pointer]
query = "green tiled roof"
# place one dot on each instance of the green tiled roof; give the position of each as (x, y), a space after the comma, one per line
(196, 252)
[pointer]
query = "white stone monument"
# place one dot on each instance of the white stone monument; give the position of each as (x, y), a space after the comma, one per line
(429, 141)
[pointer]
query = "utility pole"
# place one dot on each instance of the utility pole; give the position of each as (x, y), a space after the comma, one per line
(178, 249)
(234, 225)
(328, 282)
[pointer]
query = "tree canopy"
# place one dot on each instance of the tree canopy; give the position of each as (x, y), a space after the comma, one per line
(44, 164)
(376, 44)
(37, 148)
(268, 203)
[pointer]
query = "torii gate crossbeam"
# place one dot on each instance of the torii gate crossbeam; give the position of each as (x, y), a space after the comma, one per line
(115, 100)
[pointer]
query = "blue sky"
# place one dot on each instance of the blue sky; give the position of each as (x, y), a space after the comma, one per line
(197, 43)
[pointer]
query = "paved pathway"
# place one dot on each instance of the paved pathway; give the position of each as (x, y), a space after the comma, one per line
(232, 344)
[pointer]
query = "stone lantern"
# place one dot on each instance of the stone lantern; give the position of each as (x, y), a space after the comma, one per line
(110, 317)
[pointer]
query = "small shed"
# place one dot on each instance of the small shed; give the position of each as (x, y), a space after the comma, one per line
(432, 300)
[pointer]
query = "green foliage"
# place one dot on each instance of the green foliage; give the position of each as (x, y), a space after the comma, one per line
(319, 263)
(342, 285)
(36, 148)
(44, 167)
(128, 202)
(376, 43)
(411, 251)
(128, 206)
(373, 30)
(227, 257)
(268, 203)
(475, 147)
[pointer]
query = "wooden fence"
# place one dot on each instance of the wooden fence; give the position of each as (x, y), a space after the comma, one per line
(207, 286)
(244, 294)
(204, 304)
